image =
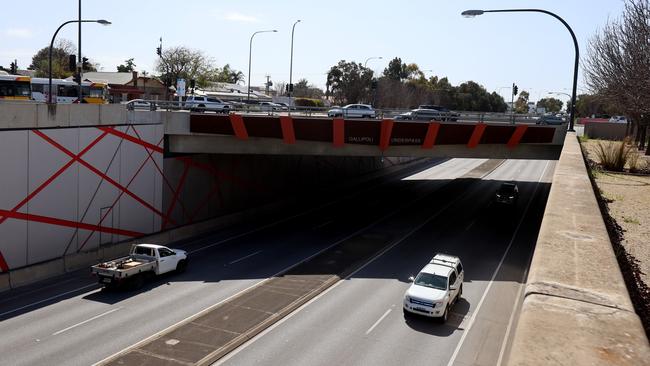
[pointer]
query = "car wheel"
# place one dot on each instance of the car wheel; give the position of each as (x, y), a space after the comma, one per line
(445, 316)
(181, 266)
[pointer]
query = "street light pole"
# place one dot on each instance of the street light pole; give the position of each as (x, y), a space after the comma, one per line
(291, 61)
(371, 58)
(100, 21)
(250, 52)
(79, 66)
(473, 13)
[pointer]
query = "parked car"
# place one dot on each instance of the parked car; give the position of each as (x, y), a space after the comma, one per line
(551, 119)
(352, 110)
(202, 103)
(445, 113)
(618, 119)
(436, 288)
(422, 114)
(508, 194)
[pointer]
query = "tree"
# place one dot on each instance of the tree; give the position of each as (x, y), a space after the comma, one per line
(302, 89)
(60, 68)
(349, 82)
(182, 62)
(128, 66)
(396, 70)
(521, 104)
(553, 105)
(618, 65)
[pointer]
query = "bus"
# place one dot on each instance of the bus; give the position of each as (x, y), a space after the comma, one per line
(63, 91)
(15, 87)
(67, 91)
(94, 92)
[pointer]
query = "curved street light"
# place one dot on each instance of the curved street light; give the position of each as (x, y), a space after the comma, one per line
(291, 61)
(473, 13)
(371, 58)
(250, 52)
(100, 21)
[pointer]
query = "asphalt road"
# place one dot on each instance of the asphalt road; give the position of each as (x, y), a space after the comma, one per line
(360, 321)
(71, 321)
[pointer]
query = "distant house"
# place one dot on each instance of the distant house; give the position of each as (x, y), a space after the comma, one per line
(124, 86)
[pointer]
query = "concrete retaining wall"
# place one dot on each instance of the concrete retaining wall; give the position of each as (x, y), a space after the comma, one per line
(35, 273)
(576, 309)
(605, 130)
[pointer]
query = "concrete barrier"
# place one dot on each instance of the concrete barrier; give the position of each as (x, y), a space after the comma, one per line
(4, 282)
(606, 130)
(576, 309)
(37, 272)
(27, 115)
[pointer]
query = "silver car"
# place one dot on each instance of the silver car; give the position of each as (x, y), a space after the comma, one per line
(353, 110)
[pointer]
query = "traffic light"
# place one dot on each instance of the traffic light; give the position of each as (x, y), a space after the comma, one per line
(192, 83)
(159, 50)
(72, 62)
(291, 88)
(373, 84)
(13, 68)
(515, 89)
(84, 63)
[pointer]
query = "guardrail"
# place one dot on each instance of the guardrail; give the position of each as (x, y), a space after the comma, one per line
(140, 104)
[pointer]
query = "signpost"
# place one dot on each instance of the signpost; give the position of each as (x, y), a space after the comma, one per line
(180, 90)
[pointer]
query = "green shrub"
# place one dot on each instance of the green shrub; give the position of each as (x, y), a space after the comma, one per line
(308, 102)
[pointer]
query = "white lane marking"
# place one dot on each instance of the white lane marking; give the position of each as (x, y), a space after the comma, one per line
(470, 225)
(509, 327)
(322, 225)
(378, 321)
(86, 321)
(245, 257)
(39, 289)
(48, 299)
(494, 274)
(514, 308)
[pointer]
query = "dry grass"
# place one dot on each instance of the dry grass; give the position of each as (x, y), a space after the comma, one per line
(614, 155)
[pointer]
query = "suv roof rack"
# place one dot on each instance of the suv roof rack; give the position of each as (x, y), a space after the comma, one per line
(443, 261)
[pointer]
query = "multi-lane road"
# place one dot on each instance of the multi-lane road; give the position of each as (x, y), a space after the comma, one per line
(359, 320)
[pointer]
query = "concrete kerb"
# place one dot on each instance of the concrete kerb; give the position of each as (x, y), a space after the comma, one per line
(4, 282)
(37, 272)
(577, 310)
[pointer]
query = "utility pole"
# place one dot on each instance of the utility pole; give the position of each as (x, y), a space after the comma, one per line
(515, 89)
(79, 61)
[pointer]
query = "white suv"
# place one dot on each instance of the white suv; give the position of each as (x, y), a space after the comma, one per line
(436, 288)
(201, 104)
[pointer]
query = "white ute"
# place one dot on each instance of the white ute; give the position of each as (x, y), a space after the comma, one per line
(436, 288)
(144, 261)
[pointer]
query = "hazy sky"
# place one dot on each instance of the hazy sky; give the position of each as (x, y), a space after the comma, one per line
(534, 50)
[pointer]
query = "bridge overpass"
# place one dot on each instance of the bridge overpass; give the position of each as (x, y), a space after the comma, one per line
(85, 181)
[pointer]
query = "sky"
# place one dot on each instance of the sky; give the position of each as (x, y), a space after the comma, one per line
(532, 50)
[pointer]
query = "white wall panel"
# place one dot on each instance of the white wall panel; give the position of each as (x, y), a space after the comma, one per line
(13, 188)
(58, 199)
